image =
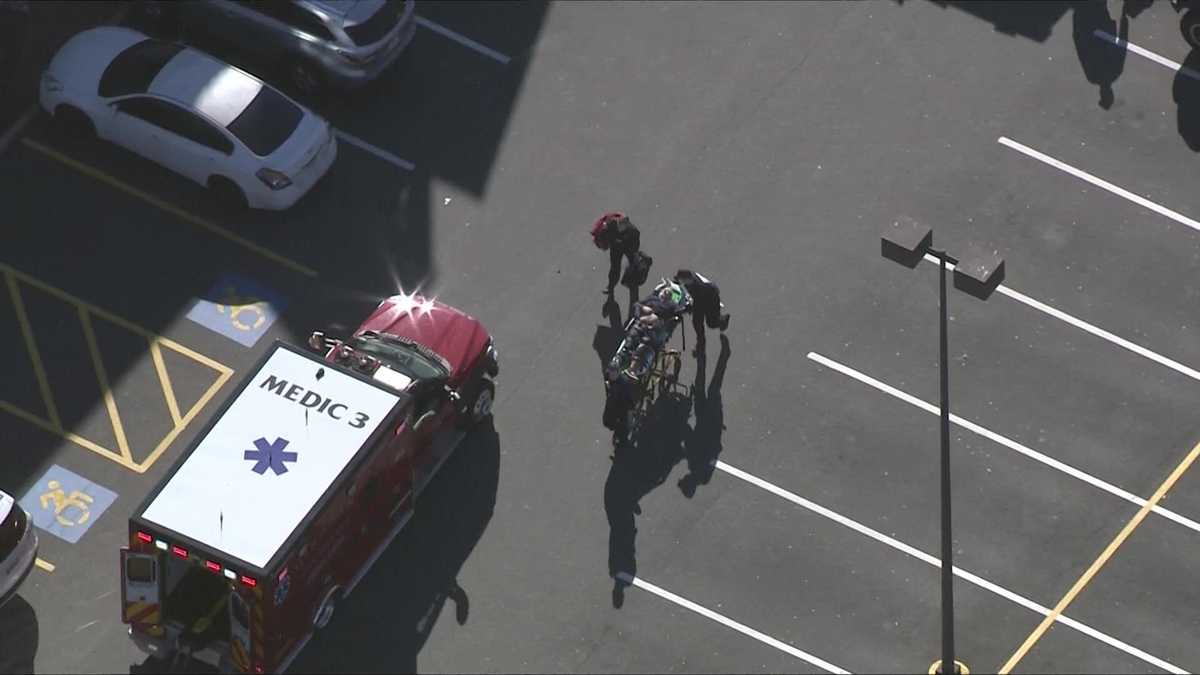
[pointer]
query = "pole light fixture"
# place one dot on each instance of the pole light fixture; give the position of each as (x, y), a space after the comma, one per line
(978, 274)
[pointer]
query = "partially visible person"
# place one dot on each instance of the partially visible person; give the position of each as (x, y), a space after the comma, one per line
(615, 233)
(707, 307)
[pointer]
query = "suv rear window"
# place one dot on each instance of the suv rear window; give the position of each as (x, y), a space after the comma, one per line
(134, 69)
(139, 570)
(373, 29)
(11, 530)
(267, 122)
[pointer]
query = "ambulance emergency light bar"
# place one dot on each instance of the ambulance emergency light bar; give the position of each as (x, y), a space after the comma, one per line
(210, 565)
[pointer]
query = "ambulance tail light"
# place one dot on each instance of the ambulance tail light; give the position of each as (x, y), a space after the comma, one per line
(230, 574)
(144, 538)
(160, 544)
(212, 567)
(248, 581)
(179, 551)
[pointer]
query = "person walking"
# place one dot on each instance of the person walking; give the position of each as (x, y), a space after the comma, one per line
(707, 307)
(615, 233)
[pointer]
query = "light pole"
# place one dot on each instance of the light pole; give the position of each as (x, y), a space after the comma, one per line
(906, 241)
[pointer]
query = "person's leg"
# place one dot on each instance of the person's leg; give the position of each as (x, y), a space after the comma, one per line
(614, 268)
(698, 325)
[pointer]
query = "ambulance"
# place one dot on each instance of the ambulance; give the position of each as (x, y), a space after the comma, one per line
(291, 492)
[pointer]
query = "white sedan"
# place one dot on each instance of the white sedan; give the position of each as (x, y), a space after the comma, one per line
(18, 547)
(200, 117)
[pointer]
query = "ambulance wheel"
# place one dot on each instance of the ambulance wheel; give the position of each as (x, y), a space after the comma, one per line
(325, 612)
(481, 407)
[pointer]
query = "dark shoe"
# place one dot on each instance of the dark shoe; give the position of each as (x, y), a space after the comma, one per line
(724, 323)
(618, 594)
(687, 485)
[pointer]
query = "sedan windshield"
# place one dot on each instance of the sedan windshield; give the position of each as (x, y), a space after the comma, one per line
(399, 355)
(132, 71)
(267, 122)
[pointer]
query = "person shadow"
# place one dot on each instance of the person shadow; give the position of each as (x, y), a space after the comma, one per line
(607, 338)
(638, 467)
(703, 444)
(1102, 61)
(1186, 92)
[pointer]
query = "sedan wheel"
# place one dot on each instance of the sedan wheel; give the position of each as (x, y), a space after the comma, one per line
(74, 122)
(227, 194)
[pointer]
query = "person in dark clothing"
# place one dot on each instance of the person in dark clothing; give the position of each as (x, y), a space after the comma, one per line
(615, 233)
(707, 307)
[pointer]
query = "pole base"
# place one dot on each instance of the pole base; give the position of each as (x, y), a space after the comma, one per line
(960, 668)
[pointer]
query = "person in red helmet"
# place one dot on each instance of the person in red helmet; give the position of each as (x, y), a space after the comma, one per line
(615, 233)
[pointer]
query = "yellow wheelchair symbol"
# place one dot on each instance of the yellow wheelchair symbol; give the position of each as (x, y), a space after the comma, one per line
(62, 501)
(238, 305)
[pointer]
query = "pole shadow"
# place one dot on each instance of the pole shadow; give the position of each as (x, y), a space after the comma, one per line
(703, 445)
(638, 468)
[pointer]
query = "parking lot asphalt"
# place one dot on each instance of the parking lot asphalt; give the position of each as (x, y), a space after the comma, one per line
(787, 519)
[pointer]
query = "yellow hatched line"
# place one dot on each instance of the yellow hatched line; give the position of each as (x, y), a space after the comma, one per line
(110, 401)
(1100, 561)
(31, 345)
(164, 379)
(191, 414)
(86, 309)
(69, 435)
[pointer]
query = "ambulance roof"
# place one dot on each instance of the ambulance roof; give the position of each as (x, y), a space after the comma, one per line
(279, 444)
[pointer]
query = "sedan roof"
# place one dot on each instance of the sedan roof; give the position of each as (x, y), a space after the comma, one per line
(206, 85)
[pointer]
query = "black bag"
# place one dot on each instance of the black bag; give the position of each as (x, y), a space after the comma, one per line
(637, 273)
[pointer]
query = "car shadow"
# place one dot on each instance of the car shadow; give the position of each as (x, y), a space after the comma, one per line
(638, 468)
(703, 445)
(391, 614)
(1032, 20)
(18, 636)
(1186, 92)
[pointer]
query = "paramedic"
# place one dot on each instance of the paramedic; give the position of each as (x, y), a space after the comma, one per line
(615, 233)
(707, 307)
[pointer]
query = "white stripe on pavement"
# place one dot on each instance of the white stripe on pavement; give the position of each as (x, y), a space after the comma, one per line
(1100, 183)
(1087, 327)
(730, 623)
(462, 40)
(1140, 51)
(1006, 442)
(378, 152)
(958, 571)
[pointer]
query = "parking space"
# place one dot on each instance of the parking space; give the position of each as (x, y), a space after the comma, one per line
(787, 522)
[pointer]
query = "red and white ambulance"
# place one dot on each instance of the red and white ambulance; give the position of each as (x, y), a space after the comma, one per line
(297, 485)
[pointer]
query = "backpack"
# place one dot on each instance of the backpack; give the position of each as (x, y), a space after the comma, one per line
(636, 274)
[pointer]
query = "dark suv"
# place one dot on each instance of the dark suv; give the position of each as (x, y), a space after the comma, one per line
(315, 43)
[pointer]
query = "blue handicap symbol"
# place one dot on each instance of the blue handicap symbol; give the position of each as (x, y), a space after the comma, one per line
(270, 455)
(66, 504)
(238, 308)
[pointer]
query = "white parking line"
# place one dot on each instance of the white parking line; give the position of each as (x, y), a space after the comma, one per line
(1006, 442)
(1087, 327)
(958, 571)
(462, 40)
(725, 621)
(1160, 60)
(1100, 183)
(378, 152)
